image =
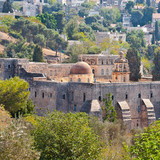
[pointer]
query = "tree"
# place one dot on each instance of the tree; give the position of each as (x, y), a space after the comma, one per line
(110, 112)
(83, 12)
(66, 136)
(148, 2)
(146, 144)
(153, 37)
(7, 7)
(134, 64)
(56, 7)
(158, 10)
(140, 1)
(14, 95)
(156, 68)
(136, 17)
(156, 31)
(129, 6)
(91, 19)
(38, 54)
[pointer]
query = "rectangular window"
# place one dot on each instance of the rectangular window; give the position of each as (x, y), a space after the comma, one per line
(50, 95)
(84, 97)
(35, 94)
(43, 95)
(75, 108)
(9, 66)
(64, 96)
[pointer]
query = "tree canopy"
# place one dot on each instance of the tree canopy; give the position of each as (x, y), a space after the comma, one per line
(66, 136)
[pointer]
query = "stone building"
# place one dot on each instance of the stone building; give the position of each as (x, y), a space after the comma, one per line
(51, 87)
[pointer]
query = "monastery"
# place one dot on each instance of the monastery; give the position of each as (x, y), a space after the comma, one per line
(83, 85)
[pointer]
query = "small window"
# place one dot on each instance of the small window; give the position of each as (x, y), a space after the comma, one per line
(72, 96)
(75, 108)
(126, 96)
(139, 95)
(50, 95)
(106, 71)
(112, 97)
(43, 95)
(93, 71)
(102, 72)
(102, 62)
(88, 80)
(124, 79)
(35, 94)
(99, 98)
(79, 80)
(64, 96)
(9, 66)
(151, 95)
(84, 97)
(0, 65)
(138, 109)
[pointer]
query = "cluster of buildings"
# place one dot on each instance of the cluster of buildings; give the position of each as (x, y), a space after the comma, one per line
(82, 86)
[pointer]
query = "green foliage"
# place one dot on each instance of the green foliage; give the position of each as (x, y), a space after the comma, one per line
(150, 51)
(110, 112)
(94, 50)
(7, 7)
(14, 94)
(156, 68)
(146, 145)
(98, 27)
(134, 64)
(158, 10)
(16, 142)
(112, 15)
(140, 1)
(136, 17)
(129, 6)
(90, 19)
(52, 8)
(148, 2)
(38, 54)
(156, 31)
(136, 39)
(48, 20)
(83, 12)
(20, 50)
(66, 136)
(87, 5)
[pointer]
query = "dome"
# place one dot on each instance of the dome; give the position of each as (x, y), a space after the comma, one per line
(81, 68)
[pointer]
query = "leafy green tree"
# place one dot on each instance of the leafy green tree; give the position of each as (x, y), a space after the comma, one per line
(98, 27)
(129, 6)
(156, 68)
(146, 144)
(150, 51)
(83, 12)
(110, 112)
(48, 20)
(56, 7)
(87, 5)
(66, 136)
(134, 64)
(136, 17)
(40, 40)
(113, 15)
(158, 10)
(38, 54)
(94, 50)
(7, 7)
(147, 15)
(148, 2)
(156, 31)
(14, 95)
(91, 19)
(140, 1)
(60, 19)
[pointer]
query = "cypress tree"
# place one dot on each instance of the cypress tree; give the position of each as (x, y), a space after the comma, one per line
(7, 7)
(156, 31)
(134, 64)
(156, 68)
(38, 54)
(148, 2)
(158, 10)
(153, 38)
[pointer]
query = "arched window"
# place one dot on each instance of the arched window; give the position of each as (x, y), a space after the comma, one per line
(93, 71)
(79, 80)
(107, 72)
(102, 72)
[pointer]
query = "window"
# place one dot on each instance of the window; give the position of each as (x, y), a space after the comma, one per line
(84, 97)
(0, 65)
(112, 97)
(106, 71)
(9, 66)
(88, 80)
(102, 62)
(99, 98)
(29, 89)
(72, 96)
(50, 95)
(93, 71)
(151, 95)
(124, 79)
(139, 95)
(79, 80)
(126, 96)
(43, 95)
(138, 109)
(35, 94)
(64, 96)
(75, 108)
(102, 72)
